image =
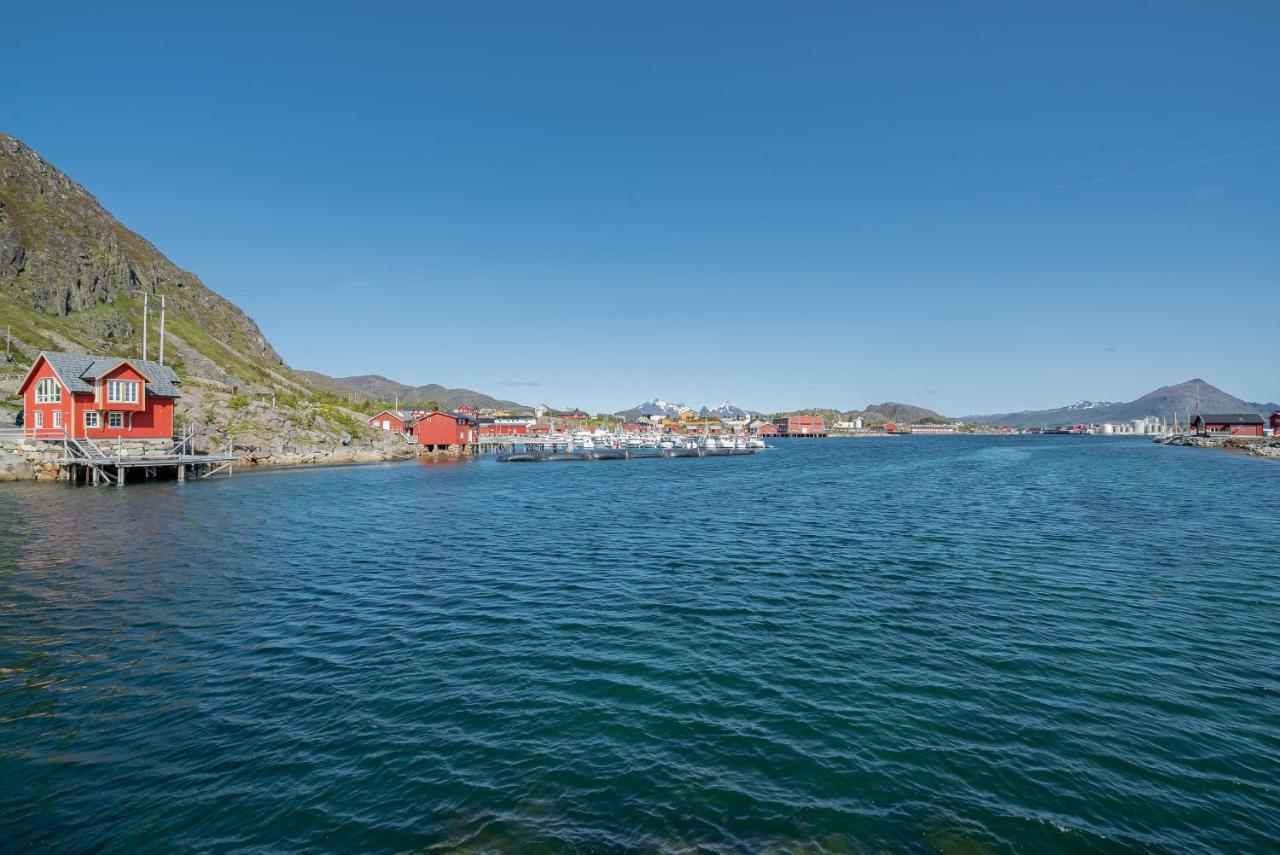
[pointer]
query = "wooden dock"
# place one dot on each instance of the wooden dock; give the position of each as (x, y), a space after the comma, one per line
(94, 463)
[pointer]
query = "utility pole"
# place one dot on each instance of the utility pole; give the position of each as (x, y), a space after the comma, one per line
(162, 329)
(144, 325)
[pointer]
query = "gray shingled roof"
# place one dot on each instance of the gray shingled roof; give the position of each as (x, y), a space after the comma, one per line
(1232, 419)
(76, 369)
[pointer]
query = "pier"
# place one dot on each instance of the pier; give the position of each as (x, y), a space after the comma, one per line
(110, 462)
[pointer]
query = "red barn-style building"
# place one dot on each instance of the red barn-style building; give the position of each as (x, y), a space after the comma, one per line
(445, 431)
(1233, 424)
(767, 429)
(396, 420)
(800, 425)
(1275, 424)
(79, 396)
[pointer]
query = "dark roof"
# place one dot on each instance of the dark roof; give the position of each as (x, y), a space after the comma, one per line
(457, 417)
(76, 369)
(1231, 418)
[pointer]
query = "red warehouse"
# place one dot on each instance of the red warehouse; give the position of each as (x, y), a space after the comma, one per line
(78, 396)
(1234, 424)
(444, 431)
(800, 425)
(397, 420)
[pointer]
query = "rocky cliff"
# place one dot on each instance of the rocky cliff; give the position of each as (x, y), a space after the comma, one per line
(72, 277)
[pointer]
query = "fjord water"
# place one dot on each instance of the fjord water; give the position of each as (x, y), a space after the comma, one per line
(931, 643)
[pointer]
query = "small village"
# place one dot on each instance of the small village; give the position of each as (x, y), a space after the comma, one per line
(102, 419)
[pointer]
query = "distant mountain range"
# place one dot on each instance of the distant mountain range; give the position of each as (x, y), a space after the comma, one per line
(892, 411)
(1180, 399)
(659, 407)
(374, 387)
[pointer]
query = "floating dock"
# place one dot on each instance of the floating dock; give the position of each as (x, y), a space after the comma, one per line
(560, 450)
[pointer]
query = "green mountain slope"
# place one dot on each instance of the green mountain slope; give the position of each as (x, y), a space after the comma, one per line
(73, 277)
(374, 387)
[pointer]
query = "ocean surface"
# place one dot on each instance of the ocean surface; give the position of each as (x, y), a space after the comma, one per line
(956, 644)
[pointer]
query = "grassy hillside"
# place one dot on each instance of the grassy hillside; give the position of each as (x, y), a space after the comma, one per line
(72, 277)
(376, 388)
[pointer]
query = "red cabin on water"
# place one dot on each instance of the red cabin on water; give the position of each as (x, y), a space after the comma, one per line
(767, 429)
(1233, 424)
(78, 396)
(396, 420)
(802, 424)
(442, 431)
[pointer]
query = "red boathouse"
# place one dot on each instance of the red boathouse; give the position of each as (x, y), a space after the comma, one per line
(1232, 424)
(445, 431)
(801, 424)
(79, 396)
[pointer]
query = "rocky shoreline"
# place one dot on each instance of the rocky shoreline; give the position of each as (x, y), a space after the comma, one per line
(1263, 446)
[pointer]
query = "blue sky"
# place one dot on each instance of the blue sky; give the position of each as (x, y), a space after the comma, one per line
(1000, 206)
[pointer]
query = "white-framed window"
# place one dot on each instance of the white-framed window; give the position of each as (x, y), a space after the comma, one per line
(122, 391)
(48, 391)
(92, 419)
(39, 418)
(57, 418)
(115, 420)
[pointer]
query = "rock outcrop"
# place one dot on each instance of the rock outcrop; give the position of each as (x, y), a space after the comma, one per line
(1257, 446)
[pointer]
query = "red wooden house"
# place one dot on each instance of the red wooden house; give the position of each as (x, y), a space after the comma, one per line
(396, 420)
(1233, 424)
(445, 431)
(79, 396)
(1275, 424)
(767, 429)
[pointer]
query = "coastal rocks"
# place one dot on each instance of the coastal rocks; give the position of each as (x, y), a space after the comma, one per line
(15, 468)
(29, 460)
(1255, 446)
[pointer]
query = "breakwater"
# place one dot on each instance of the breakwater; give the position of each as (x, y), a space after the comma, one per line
(1254, 446)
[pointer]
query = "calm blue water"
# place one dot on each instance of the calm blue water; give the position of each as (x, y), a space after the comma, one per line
(955, 644)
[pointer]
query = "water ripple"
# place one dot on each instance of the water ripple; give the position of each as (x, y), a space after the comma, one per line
(921, 644)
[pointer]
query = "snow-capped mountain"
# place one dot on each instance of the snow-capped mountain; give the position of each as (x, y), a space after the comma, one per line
(724, 411)
(1087, 405)
(659, 407)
